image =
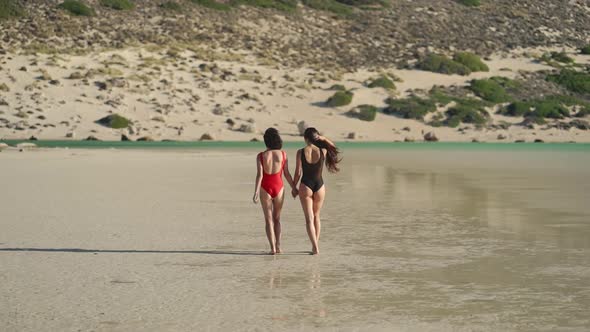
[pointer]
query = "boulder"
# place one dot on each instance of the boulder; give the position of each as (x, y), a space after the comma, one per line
(91, 138)
(408, 140)
(502, 137)
(124, 138)
(206, 137)
(71, 135)
(33, 138)
(145, 139)
(351, 135)
(118, 82)
(538, 140)
(249, 128)
(430, 137)
(75, 76)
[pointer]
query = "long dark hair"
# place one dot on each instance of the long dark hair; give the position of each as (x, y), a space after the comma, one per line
(272, 139)
(332, 160)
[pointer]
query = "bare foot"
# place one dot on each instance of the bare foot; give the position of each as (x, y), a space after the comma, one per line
(279, 251)
(272, 252)
(315, 251)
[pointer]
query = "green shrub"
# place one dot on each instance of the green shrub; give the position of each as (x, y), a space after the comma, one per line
(517, 108)
(337, 87)
(585, 49)
(362, 3)
(76, 7)
(465, 114)
(171, 5)
(329, 6)
(583, 112)
(367, 112)
(553, 107)
(441, 64)
(382, 82)
(118, 4)
(412, 107)
(282, 5)
(340, 98)
(549, 109)
(10, 8)
(470, 3)
(557, 56)
(490, 90)
(572, 80)
(212, 4)
(114, 121)
(471, 61)
(440, 97)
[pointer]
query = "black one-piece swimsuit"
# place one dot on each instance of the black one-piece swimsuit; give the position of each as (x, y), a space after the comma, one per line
(312, 173)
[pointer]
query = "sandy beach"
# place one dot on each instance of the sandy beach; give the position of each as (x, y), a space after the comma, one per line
(413, 240)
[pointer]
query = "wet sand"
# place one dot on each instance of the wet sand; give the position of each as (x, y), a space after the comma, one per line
(110, 240)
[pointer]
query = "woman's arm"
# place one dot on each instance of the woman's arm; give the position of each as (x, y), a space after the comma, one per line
(258, 180)
(295, 190)
(288, 174)
(297, 168)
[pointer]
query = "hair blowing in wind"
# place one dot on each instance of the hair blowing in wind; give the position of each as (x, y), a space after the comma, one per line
(332, 156)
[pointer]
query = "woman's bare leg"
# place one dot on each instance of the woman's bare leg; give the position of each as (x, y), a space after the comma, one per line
(266, 202)
(318, 202)
(306, 198)
(277, 204)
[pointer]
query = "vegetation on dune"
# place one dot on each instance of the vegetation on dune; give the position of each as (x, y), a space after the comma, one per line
(171, 5)
(561, 57)
(118, 4)
(572, 80)
(282, 5)
(466, 113)
(364, 112)
(491, 89)
(382, 82)
(76, 7)
(471, 61)
(333, 6)
(340, 98)
(585, 49)
(10, 8)
(442, 64)
(114, 121)
(413, 107)
(551, 107)
(212, 4)
(470, 3)
(337, 87)
(338, 7)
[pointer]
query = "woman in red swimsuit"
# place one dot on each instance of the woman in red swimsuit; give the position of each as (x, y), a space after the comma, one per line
(271, 165)
(312, 191)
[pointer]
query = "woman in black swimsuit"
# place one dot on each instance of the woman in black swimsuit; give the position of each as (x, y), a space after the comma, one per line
(310, 163)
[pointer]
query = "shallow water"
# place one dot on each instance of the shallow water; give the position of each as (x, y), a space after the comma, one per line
(412, 240)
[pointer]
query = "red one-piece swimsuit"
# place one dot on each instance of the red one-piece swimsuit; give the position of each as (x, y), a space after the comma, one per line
(272, 183)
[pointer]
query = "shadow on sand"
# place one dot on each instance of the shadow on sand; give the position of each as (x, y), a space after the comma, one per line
(130, 251)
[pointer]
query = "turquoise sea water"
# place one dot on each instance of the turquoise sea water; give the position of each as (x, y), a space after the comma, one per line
(344, 145)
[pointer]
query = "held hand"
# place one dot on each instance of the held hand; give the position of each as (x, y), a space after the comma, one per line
(255, 198)
(294, 192)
